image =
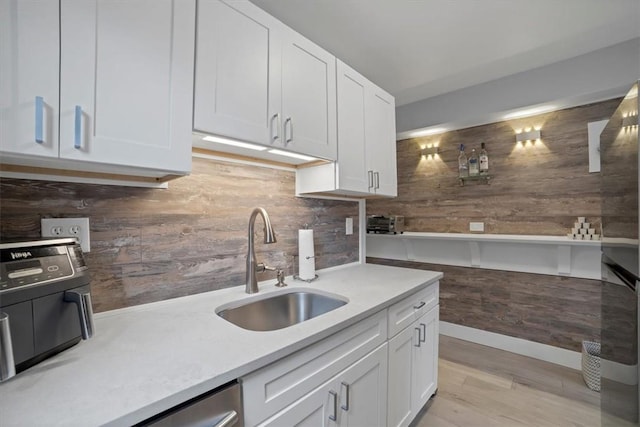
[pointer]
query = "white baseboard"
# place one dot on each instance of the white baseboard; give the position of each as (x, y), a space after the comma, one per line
(571, 359)
(548, 353)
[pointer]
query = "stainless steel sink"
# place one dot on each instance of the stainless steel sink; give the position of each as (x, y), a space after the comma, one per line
(280, 310)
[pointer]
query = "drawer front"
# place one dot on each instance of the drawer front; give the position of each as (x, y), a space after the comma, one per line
(270, 389)
(403, 313)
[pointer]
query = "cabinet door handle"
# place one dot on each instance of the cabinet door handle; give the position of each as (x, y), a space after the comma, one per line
(419, 306)
(290, 137)
(370, 176)
(377, 175)
(39, 119)
(77, 134)
(334, 395)
(277, 128)
(424, 332)
(418, 331)
(345, 407)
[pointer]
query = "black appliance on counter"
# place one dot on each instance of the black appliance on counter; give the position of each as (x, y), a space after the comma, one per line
(619, 305)
(45, 302)
(385, 224)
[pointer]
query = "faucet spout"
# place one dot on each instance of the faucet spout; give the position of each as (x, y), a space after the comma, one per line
(269, 237)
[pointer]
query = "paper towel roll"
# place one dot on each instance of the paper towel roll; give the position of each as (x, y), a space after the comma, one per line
(306, 256)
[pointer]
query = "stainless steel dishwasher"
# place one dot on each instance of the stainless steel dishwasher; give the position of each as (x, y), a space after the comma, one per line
(221, 407)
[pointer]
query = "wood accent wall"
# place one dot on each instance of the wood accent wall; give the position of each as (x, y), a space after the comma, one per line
(553, 310)
(151, 244)
(536, 189)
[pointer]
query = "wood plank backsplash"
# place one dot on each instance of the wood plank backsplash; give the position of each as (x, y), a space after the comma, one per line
(151, 244)
(536, 189)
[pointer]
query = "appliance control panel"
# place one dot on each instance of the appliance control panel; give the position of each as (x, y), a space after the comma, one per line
(42, 262)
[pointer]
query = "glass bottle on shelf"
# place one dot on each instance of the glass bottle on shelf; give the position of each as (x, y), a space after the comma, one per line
(473, 163)
(484, 160)
(463, 165)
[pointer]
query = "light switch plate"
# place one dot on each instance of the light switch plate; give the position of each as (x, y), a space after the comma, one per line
(348, 225)
(476, 226)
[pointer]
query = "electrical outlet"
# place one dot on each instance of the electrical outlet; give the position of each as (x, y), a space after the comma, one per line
(67, 227)
(476, 226)
(348, 225)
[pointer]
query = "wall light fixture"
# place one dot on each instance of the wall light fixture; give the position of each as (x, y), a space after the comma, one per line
(429, 151)
(630, 119)
(528, 135)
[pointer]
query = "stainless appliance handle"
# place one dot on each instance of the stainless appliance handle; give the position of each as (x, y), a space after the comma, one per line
(85, 311)
(628, 278)
(229, 420)
(7, 367)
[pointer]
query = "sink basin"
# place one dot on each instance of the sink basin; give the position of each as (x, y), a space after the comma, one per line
(280, 310)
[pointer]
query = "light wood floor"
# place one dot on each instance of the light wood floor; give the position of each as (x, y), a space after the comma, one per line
(482, 386)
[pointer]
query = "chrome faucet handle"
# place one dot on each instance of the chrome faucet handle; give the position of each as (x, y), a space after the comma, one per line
(280, 277)
(261, 266)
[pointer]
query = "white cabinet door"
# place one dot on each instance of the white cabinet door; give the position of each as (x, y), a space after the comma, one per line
(381, 142)
(237, 83)
(363, 391)
(400, 409)
(425, 360)
(29, 76)
(126, 82)
(313, 410)
(352, 163)
(308, 97)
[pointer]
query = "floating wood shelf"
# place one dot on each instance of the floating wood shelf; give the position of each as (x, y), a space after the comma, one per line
(480, 178)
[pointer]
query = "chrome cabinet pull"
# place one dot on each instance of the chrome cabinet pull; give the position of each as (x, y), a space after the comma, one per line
(370, 174)
(7, 365)
(424, 332)
(345, 407)
(377, 175)
(85, 311)
(290, 137)
(334, 395)
(419, 341)
(39, 119)
(229, 420)
(277, 128)
(77, 133)
(419, 306)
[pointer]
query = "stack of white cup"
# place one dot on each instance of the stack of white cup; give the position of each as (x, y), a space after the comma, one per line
(582, 230)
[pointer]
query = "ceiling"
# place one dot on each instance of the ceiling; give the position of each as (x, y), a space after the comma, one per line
(417, 49)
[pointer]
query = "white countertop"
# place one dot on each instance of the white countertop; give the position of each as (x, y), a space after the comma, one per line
(145, 359)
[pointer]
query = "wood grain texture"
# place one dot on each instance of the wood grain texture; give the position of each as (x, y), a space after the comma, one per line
(479, 386)
(553, 310)
(151, 244)
(537, 189)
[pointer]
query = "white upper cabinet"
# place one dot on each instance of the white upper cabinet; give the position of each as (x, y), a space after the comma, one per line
(29, 64)
(366, 164)
(308, 97)
(126, 82)
(237, 58)
(98, 85)
(381, 142)
(259, 81)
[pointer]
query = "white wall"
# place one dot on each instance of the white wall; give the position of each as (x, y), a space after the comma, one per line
(596, 76)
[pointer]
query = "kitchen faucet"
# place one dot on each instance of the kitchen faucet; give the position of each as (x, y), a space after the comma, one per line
(252, 266)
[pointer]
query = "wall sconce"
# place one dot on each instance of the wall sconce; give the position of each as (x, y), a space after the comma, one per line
(531, 135)
(630, 120)
(429, 151)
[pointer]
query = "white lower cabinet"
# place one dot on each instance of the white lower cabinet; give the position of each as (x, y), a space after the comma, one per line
(413, 368)
(357, 376)
(355, 397)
